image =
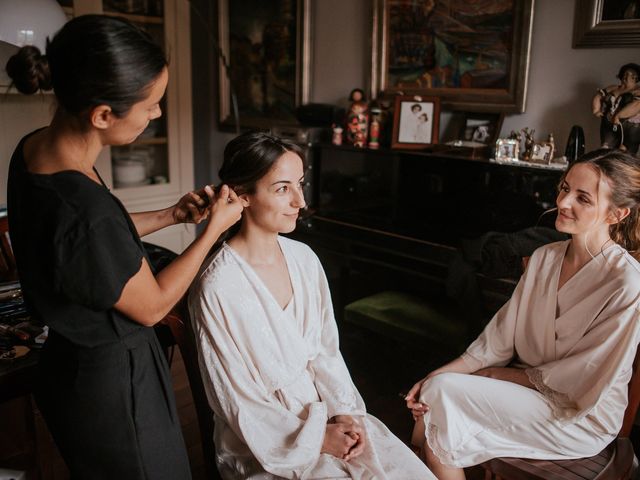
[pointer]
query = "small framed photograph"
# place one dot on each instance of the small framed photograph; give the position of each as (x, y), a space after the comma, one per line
(542, 153)
(415, 122)
(507, 150)
(481, 129)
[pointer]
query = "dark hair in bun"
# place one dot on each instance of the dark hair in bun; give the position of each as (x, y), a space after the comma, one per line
(250, 156)
(93, 60)
(29, 70)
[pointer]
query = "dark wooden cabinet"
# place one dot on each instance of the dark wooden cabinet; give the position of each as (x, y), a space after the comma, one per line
(395, 220)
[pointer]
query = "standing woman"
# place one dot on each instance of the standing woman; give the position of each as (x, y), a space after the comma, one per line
(103, 385)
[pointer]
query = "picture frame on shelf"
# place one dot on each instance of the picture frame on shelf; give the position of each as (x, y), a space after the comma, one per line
(542, 152)
(474, 56)
(606, 24)
(415, 121)
(507, 150)
(264, 61)
(481, 129)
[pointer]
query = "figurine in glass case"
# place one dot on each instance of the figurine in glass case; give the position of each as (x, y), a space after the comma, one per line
(618, 106)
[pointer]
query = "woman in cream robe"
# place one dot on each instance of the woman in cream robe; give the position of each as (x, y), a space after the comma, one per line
(274, 376)
(551, 369)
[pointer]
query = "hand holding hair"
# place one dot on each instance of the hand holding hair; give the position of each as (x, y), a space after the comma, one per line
(225, 208)
(191, 208)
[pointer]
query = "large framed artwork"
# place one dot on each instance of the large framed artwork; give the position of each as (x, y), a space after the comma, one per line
(606, 23)
(266, 45)
(474, 56)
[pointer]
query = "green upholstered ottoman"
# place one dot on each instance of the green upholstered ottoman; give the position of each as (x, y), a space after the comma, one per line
(406, 317)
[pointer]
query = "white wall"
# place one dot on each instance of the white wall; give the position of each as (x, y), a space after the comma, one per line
(341, 39)
(562, 80)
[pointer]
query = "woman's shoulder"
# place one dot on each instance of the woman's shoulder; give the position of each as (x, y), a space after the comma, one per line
(296, 248)
(624, 266)
(621, 275)
(218, 270)
(82, 198)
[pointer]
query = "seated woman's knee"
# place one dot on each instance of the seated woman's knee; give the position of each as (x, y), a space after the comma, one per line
(440, 384)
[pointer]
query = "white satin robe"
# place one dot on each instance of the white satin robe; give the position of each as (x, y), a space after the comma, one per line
(275, 377)
(577, 344)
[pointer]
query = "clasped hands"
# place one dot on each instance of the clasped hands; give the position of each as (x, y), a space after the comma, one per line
(194, 207)
(344, 438)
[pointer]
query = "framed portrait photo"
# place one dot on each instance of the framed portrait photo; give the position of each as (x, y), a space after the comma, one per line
(481, 129)
(415, 122)
(507, 150)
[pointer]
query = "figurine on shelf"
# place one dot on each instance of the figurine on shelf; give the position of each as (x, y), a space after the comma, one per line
(552, 142)
(357, 119)
(529, 142)
(374, 127)
(336, 138)
(515, 135)
(618, 106)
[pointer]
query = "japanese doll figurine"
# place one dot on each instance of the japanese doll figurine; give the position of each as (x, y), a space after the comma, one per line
(357, 119)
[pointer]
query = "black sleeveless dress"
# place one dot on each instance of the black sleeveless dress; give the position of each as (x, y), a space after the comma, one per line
(103, 384)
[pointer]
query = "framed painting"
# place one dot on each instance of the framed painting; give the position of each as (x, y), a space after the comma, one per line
(264, 64)
(474, 56)
(606, 23)
(415, 122)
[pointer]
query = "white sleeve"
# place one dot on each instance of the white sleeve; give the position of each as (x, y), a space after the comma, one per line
(282, 443)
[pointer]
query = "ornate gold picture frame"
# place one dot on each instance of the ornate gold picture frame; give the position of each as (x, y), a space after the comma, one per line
(605, 23)
(473, 55)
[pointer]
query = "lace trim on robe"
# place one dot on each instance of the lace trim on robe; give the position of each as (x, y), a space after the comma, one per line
(563, 407)
(444, 456)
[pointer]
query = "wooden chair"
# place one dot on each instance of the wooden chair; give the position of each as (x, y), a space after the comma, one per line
(8, 270)
(616, 462)
(180, 325)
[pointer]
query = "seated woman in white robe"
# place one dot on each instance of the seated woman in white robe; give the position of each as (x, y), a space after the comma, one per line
(547, 378)
(284, 403)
